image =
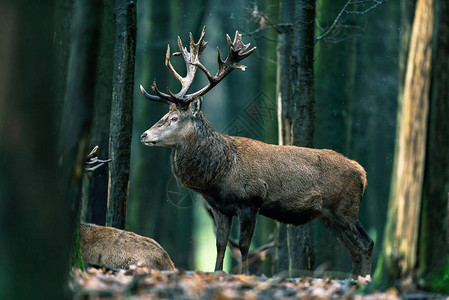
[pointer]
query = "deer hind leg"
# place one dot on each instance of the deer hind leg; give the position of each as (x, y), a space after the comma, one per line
(367, 246)
(356, 241)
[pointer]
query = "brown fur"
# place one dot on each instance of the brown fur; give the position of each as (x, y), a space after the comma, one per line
(244, 177)
(115, 248)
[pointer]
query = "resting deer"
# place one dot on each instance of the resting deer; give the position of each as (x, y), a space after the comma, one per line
(242, 177)
(114, 248)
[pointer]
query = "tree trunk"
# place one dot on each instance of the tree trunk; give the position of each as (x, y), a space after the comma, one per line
(95, 185)
(296, 105)
(34, 219)
(300, 238)
(399, 256)
(433, 250)
(284, 102)
(408, 8)
(77, 109)
(121, 113)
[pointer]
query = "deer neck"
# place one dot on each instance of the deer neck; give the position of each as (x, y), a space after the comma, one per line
(203, 159)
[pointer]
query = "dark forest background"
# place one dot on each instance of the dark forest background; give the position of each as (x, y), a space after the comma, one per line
(63, 90)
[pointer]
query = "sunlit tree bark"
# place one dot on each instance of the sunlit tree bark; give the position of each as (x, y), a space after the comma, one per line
(399, 257)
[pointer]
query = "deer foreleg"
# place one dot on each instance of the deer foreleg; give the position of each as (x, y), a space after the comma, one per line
(247, 221)
(223, 227)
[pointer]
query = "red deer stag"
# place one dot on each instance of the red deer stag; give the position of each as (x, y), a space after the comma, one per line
(243, 177)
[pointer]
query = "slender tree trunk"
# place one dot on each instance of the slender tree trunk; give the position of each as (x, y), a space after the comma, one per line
(433, 250)
(296, 105)
(303, 73)
(300, 238)
(284, 76)
(399, 256)
(284, 102)
(95, 185)
(121, 113)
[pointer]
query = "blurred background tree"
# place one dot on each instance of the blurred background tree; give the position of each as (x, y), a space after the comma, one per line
(35, 227)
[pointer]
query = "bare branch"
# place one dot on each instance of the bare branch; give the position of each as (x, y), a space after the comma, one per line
(345, 10)
(333, 23)
(376, 4)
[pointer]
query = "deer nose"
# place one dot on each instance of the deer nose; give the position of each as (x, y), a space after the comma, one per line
(143, 136)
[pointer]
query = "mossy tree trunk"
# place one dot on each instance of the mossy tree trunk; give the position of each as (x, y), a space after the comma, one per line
(398, 260)
(433, 242)
(121, 113)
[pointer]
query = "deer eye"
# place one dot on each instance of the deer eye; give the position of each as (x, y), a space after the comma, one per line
(174, 119)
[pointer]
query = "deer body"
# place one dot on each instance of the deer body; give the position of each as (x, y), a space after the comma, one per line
(114, 248)
(244, 177)
(284, 182)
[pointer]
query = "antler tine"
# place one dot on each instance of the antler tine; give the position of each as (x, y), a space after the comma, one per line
(170, 66)
(236, 53)
(200, 45)
(163, 96)
(191, 59)
(152, 97)
(237, 48)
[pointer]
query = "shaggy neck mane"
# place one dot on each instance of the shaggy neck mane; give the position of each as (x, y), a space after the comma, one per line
(204, 157)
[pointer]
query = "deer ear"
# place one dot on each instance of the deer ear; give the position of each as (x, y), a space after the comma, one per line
(195, 106)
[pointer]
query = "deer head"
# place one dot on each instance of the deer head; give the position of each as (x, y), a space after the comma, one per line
(185, 109)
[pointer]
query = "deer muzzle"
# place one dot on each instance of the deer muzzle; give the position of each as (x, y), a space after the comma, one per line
(144, 140)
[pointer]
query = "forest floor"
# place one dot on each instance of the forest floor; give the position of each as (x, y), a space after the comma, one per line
(143, 283)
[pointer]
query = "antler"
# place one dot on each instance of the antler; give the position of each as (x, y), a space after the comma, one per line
(190, 58)
(236, 53)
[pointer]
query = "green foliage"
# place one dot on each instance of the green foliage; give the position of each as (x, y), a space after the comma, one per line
(438, 281)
